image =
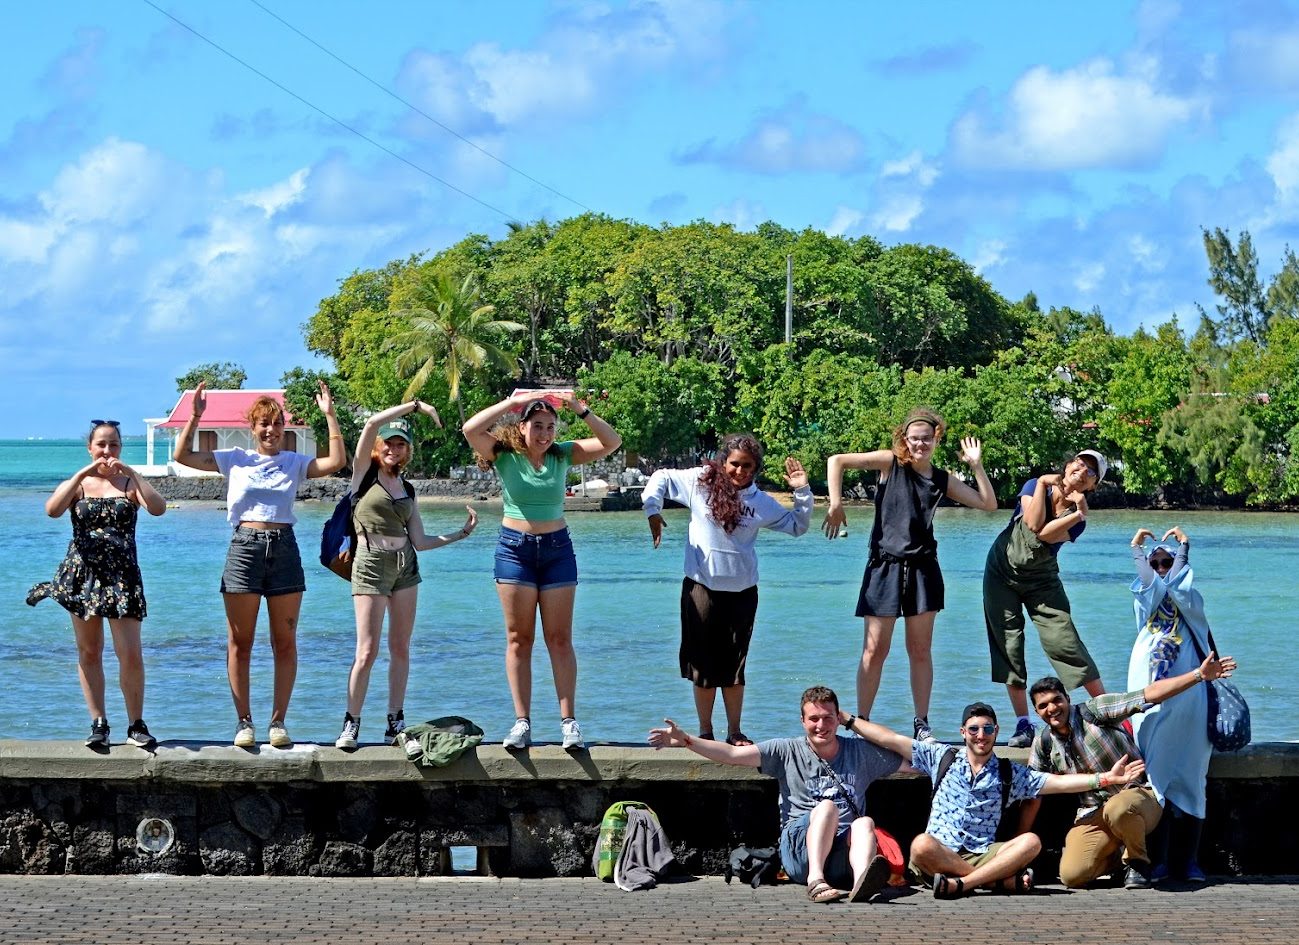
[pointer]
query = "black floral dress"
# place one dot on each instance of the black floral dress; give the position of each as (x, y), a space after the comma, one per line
(100, 575)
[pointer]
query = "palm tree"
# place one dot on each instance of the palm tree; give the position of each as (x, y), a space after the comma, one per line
(449, 329)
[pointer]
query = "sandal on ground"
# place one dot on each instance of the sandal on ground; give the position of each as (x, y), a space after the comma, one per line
(707, 736)
(738, 739)
(1021, 882)
(821, 891)
(871, 880)
(948, 887)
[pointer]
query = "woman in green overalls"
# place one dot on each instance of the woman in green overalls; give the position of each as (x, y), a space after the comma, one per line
(1022, 574)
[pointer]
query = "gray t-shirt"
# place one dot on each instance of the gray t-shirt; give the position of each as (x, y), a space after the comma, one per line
(805, 782)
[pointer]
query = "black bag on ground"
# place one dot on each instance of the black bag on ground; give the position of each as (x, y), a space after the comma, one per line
(754, 865)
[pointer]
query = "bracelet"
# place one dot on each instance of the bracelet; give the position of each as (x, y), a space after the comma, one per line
(689, 740)
(1199, 676)
(849, 721)
(584, 413)
(335, 436)
(1096, 782)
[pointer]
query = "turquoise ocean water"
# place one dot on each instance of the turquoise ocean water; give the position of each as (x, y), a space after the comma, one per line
(626, 621)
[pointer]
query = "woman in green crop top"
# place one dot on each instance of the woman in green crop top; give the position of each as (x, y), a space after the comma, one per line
(385, 572)
(536, 569)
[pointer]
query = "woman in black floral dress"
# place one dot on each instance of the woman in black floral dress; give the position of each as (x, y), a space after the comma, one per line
(100, 577)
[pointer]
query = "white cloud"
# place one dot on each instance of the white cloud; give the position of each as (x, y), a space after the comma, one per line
(1087, 116)
(988, 255)
(1145, 253)
(117, 182)
(787, 139)
(587, 55)
(845, 222)
(741, 214)
(900, 192)
(1088, 277)
(1283, 162)
(271, 200)
(1267, 56)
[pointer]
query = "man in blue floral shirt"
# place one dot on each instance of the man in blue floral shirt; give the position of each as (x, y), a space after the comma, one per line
(959, 848)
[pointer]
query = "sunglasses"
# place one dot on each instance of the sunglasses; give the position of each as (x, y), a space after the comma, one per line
(1161, 564)
(980, 729)
(105, 423)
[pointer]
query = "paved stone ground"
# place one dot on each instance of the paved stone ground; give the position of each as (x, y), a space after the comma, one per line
(97, 910)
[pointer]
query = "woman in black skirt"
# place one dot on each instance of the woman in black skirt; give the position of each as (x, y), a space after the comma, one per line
(902, 577)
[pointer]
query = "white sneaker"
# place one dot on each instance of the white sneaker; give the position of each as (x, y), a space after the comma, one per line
(278, 736)
(351, 732)
(245, 737)
(572, 734)
(520, 736)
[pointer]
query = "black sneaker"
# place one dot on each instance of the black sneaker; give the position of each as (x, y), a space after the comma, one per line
(1023, 736)
(98, 733)
(137, 734)
(1137, 876)
(396, 724)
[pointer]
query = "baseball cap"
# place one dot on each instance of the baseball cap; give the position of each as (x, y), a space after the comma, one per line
(1102, 466)
(981, 709)
(397, 427)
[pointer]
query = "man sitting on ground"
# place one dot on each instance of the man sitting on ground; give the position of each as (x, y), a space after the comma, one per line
(826, 841)
(959, 852)
(1089, 738)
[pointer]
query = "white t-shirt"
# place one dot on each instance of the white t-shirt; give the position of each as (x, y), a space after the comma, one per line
(262, 488)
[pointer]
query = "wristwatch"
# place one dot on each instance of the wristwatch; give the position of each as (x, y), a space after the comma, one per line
(584, 413)
(848, 722)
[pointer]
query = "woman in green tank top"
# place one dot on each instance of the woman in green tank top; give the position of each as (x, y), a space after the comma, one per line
(536, 570)
(385, 572)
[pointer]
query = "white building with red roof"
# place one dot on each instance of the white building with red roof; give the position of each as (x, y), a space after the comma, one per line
(224, 425)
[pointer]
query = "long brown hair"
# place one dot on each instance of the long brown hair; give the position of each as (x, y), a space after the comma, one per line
(723, 498)
(918, 415)
(509, 439)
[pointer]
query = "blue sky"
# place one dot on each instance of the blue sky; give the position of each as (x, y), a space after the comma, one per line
(163, 205)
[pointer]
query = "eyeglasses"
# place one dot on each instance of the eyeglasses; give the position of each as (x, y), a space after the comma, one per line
(980, 729)
(920, 440)
(105, 423)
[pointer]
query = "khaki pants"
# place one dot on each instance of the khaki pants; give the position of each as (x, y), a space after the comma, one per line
(1123, 823)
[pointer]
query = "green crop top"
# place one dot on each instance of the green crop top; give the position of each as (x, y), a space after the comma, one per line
(530, 494)
(378, 513)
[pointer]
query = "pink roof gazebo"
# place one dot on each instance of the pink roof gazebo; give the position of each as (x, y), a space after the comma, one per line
(225, 409)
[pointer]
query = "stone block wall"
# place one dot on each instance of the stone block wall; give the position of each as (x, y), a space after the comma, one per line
(318, 811)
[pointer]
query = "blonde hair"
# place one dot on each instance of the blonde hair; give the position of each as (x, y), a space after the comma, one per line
(917, 415)
(265, 408)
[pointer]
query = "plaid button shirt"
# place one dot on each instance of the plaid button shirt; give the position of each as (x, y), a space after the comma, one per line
(1095, 742)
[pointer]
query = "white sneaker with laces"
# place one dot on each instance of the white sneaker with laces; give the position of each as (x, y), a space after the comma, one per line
(572, 734)
(520, 736)
(351, 732)
(278, 735)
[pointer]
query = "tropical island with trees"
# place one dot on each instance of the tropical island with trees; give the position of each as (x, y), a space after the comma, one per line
(681, 331)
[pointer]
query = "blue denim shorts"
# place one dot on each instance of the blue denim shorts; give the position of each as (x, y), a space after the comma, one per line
(793, 853)
(540, 561)
(263, 561)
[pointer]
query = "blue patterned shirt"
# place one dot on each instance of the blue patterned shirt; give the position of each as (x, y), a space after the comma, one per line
(966, 811)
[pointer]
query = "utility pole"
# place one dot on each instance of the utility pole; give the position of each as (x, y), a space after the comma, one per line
(789, 298)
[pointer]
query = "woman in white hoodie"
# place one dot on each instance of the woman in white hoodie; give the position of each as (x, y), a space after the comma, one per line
(719, 596)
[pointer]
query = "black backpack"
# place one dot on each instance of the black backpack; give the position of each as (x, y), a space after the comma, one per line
(754, 865)
(338, 537)
(1009, 822)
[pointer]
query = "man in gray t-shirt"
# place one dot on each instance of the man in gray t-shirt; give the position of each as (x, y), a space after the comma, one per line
(826, 841)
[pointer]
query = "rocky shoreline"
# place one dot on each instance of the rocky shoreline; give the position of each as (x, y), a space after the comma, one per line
(330, 489)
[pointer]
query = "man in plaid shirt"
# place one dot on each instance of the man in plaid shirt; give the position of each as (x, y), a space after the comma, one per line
(1088, 739)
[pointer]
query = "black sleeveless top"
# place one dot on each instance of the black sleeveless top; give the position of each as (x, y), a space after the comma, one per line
(904, 512)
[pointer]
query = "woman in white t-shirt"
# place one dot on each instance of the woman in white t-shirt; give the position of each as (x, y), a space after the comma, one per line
(263, 560)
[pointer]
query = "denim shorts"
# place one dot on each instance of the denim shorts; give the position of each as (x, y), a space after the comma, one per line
(378, 572)
(540, 561)
(263, 561)
(793, 853)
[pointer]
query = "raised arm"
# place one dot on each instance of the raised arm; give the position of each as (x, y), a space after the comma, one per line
(1183, 550)
(337, 457)
(835, 518)
(1123, 772)
(1164, 689)
(793, 521)
(878, 734)
(364, 454)
(671, 736)
(68, 491)
(194, 459)
(478, 428)
(423, 542)
(1145, 573)
(985, 498)
(606, 439)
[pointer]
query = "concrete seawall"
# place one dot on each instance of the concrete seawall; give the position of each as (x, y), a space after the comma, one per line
(315, 810)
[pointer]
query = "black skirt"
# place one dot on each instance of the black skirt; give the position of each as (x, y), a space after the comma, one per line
(900, 587)
(716, 627)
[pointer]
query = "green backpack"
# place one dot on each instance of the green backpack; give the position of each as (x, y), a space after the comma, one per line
(609, 842)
